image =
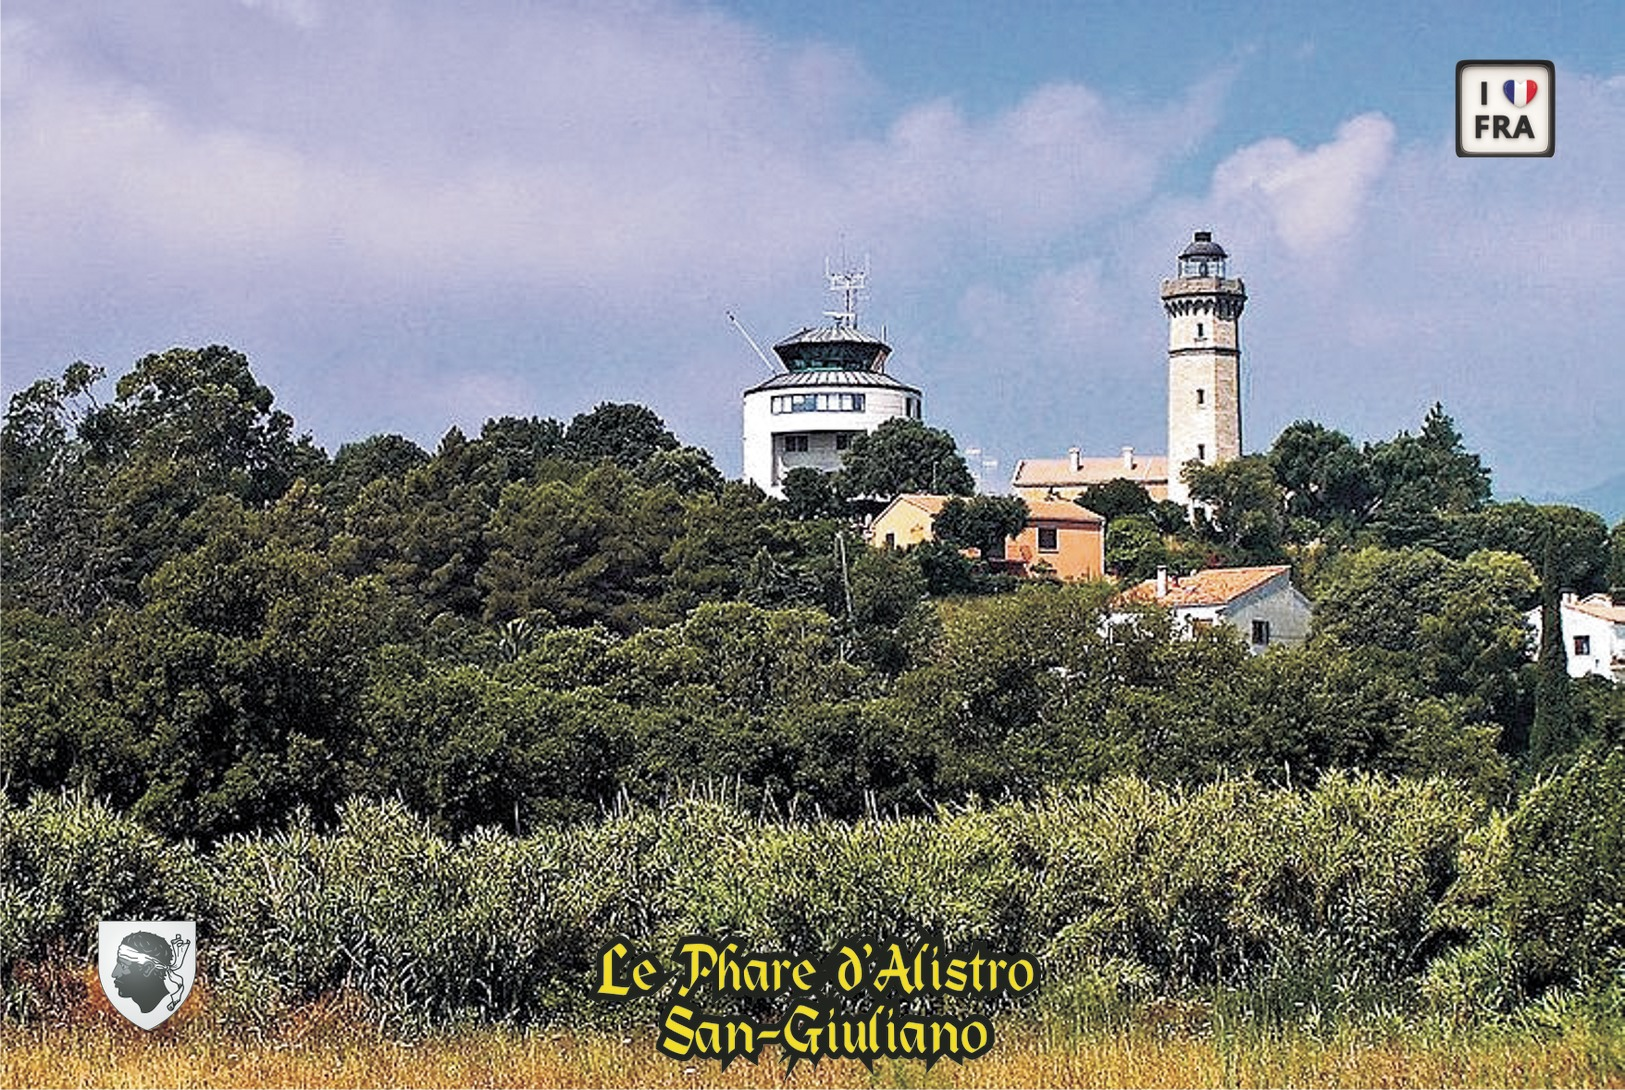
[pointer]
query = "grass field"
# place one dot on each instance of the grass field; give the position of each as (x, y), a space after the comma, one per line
(331, 1052)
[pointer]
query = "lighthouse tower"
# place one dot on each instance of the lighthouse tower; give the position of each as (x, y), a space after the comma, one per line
(1204, 361)
(833, 386)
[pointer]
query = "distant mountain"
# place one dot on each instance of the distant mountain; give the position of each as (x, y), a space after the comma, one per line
(1606, 499)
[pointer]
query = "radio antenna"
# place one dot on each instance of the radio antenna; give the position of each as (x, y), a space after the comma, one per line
(745, 333)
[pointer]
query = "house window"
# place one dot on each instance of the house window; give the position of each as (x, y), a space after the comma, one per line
(1261, 633)
(1048, 539)
(795, 444)
(843, 439)
(1201, 624)
(1201, 396)
(1582, 645)
(891, 541)
(1201, 452)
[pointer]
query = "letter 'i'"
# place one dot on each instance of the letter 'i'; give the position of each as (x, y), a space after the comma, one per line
(1484, 94)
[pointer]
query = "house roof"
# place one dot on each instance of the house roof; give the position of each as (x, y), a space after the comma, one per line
(1060, 511)
(926, 502)
(795, 380)
(1058, 472)
(1037, 510)
(1212, 587)
(1600, 606)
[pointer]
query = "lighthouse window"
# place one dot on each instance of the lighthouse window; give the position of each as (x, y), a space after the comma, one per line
(1201, 452)
(1199, 333)
(795, 444)
(1201, 396)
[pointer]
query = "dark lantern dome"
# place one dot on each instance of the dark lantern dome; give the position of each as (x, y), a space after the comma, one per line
(1203, 257)
(1203, 246)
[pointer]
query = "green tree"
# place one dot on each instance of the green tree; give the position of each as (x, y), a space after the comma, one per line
(357, 465)
(1245, 504)
(1563, 894)
(1135, 548)
(1424, 477)
(238, 678)
(625, 434)
(1115, 499)
(1453, 628)
(1324, 477)
(585, 553)
(810, 494)
(52, 546)
(1554, 732)
(983, 523)
(685, 470)
(1616, 559)
(1578, 538)
(523, 443)
(425, 533)
(904, 455)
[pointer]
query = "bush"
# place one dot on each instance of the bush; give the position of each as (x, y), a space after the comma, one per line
(67, 862)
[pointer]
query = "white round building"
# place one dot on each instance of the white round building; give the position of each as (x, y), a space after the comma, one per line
(834, 385)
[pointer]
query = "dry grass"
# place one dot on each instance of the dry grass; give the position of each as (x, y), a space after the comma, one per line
(100, 1052)
(332, 1044)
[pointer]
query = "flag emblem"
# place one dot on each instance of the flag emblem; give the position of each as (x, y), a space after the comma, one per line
(145, 968)
(1520, 92)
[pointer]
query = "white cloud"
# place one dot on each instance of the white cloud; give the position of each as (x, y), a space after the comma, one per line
(1310, 198)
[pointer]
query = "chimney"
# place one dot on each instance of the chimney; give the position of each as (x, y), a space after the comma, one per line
(1162, 582)
(1570, 598)
(1074, 457)
(1128, 457)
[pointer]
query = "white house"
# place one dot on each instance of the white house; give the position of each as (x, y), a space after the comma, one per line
(1593, 635)
(1261, 603)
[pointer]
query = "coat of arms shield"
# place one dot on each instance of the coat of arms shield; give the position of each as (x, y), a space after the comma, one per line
(147, 967)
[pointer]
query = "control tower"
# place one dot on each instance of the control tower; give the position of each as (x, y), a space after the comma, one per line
(834, 385)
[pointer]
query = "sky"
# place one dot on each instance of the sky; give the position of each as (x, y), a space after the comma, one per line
(413, 215)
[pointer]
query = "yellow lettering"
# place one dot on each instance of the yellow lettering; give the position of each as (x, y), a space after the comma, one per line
(677, 1029)
(608, 986)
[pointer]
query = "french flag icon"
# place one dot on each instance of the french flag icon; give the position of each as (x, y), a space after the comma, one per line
(1520, 92)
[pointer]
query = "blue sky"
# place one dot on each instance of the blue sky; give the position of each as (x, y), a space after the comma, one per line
(411, 215)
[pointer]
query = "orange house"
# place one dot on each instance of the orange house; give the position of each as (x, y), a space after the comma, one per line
(1067, 540)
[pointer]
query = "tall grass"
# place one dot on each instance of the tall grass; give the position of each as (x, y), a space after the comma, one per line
(1360, 898)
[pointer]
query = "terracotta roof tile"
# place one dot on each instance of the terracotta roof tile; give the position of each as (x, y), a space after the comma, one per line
(1600, 606)
(1212, 587)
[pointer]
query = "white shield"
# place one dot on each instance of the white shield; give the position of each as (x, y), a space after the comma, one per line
(147, 966)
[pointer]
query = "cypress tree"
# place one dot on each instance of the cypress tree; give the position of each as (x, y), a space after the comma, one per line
(1554, 732)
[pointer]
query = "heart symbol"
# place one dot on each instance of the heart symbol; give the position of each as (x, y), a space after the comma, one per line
(1520, 92)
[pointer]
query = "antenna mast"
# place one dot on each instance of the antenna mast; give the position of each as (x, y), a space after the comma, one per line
(851, 285)
(745, 333)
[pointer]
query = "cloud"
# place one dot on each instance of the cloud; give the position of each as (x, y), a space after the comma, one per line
(540, 206)
(1310, 198)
